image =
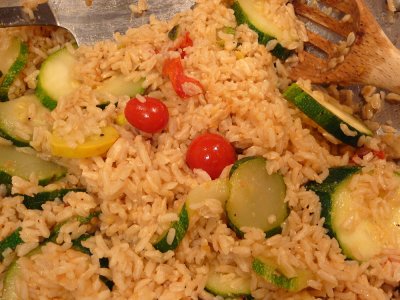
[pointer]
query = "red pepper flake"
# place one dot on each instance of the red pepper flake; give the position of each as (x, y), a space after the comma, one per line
(379, 154)
(363, 151)
(173, 68)
(185, 42)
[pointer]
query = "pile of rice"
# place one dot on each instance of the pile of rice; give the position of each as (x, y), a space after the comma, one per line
(143, 178)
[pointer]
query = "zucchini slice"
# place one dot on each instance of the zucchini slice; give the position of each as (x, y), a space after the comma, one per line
(13, 60)
(15, 163)
(56, 79)
(271, 272)
(180, 227)
(36, 201)
(256, 198)
(10, 282)
(326, 114)
(250, 12)
(119, 86)
(14, 115)
(10, 242)
(227, 285)
(93, 146)
(13, 273)
(215, 189)
(368, 237)
(104, 263)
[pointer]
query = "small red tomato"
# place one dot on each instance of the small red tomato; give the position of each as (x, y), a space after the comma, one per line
(211, 153)
(150, 116)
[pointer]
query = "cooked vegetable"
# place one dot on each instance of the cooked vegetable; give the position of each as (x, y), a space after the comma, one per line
(56, 79)
(77, 245)
(10, 242)
(14, 115)
(93, 146)
(150, 116)
(257, 199)
(211, 153)
(10, 281)
(216, 189)
(13, 60)
(327, 115)
(172, 237)
(185, 42)
(183, 85)
(272, 273)
(367, 237)
(173, 33)
(56, 229)
(119, 86)
(229, 30)
(36, 201)
(250, 12)
(227, 285)
(15, 163)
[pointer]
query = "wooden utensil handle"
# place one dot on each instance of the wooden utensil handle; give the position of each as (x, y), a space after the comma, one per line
(387, 73)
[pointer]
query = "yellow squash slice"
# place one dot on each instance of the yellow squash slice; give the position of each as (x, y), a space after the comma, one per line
(93, 146)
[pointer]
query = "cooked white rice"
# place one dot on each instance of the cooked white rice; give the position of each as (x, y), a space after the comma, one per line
(143, 178)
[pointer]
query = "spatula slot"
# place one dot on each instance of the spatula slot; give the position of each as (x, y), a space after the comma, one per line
(317, 16)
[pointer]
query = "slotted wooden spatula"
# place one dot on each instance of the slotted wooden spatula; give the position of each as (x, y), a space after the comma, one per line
(371, 59)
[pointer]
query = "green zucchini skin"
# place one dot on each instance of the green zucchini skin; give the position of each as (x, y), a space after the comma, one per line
(36, 201)
(5, 178)
(238, 163)
(272, 275)
(104, 263)
(15, 113)
(46, 100)
(173, 33)
(181, 226)
(46, 171)
(242, 18)
(58, 65)
(321, 115)
(325, 190)
(13, 72)
(10, 242)
(17, 142)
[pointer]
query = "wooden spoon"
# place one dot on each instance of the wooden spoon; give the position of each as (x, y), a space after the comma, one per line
(371, 59)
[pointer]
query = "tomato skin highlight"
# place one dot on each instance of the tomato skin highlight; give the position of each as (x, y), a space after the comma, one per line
(211, 153)
(150, 116)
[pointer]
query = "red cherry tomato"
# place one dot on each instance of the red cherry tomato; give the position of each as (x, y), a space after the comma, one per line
(211, 153)
(150, 116)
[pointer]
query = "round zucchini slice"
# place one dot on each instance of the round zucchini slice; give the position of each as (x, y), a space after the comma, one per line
(257, 199)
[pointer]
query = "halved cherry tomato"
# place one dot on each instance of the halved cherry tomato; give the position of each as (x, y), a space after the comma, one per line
(150, 116)
(173, 68)
(211, 153)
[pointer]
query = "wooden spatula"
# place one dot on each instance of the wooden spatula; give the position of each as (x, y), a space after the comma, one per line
(371, 59)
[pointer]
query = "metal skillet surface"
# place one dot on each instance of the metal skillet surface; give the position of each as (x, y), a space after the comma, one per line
(93, 23)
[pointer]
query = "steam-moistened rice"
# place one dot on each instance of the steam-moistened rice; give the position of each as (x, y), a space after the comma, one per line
(141, 182)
